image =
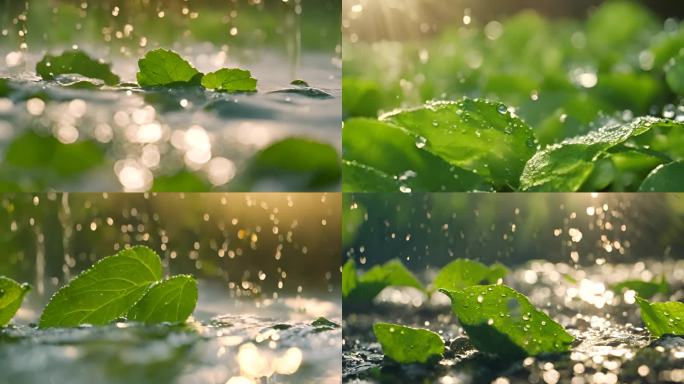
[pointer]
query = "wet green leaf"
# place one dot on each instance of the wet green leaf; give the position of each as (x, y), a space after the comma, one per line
(645, 289)
(502, 321)
(362, 178)
(473, 134)
(163, 67)
(316, 163)
(364, 288)
(11, 296)
(674, 74)
(104, 292)
(462, 273)
(665, 178)
(408, 345)
(565, 167)
(662, 318)
(230, 80)
(382, 157)
(168, 301)
(75, 62)
(324, 324)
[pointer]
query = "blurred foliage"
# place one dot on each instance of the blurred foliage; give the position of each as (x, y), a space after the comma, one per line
(55, 23)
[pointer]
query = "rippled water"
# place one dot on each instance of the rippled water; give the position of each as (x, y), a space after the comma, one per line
(147, 133)
(229, 341)
(611, 346)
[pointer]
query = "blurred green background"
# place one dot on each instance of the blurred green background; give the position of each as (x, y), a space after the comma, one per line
(122, 25)
(564, 66)
(254, 243)
(430, 230)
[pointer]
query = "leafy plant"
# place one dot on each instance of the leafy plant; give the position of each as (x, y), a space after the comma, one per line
(230, 80)
(408, 345)
(645, 289)
(127, 283)
(11, 296)
(360, 290)
(502, 321)
(75, 62)
(162, 67)
(463, 273)
(662, 318)
(571, 106)
(443, 146)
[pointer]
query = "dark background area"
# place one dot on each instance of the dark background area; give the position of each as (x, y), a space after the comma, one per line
(430, 230)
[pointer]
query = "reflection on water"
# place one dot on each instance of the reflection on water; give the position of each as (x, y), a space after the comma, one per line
(235, 349)
(267, 267)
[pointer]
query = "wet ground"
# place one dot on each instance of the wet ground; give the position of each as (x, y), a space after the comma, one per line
(232, 341)
(147, 134)
(611, 346)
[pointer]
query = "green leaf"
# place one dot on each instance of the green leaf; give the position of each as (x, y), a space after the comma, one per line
(408, 345)
(33, 151)
(322, 322)
(645, 289)
(665, 178)
(674, 74)
(361, 98)
(168, 301)
(230, 80)
(362, 178)
(75, 62)
(473, 134)
(5, 87)
(163, 67)
(502, 321)
(462, 273)
(370, 284)
(348, 277)
(662, 318)
(386, 155)
(183, 181)
(353, 216)
(317, 163)
(565, 167)
(11, 296)
(104, 292)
